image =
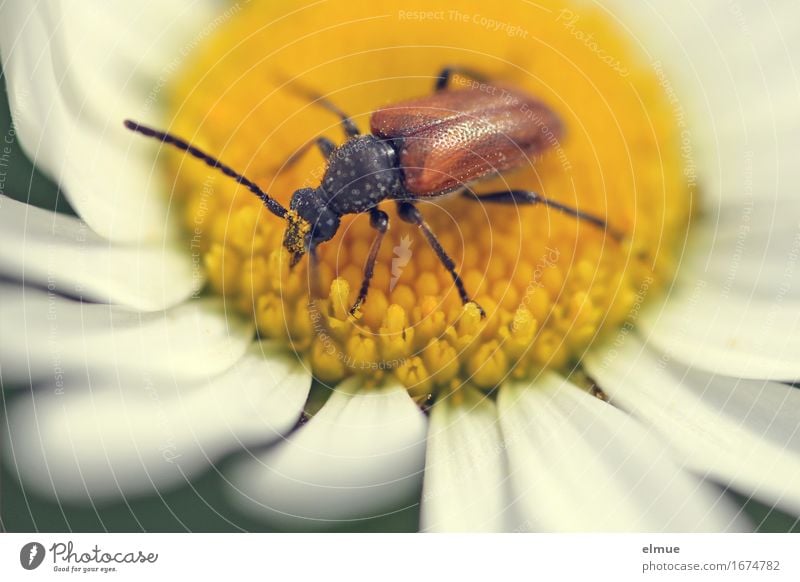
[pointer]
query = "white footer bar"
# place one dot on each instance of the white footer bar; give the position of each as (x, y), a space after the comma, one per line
(400, 557)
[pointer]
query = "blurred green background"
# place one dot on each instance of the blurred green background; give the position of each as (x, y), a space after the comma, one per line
(201, 506)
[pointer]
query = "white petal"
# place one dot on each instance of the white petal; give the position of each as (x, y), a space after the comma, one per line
(465, 486)
(712, 329)
(361, 456)
(579, 464)
(743, 434)
(102, 439)
(733, 70)
(769, 410)
(47, 336)
(43, 248)
(124, 52)
(749, 250)
(71, 78)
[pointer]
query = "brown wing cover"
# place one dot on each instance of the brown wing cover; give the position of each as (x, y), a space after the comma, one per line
(453, 137)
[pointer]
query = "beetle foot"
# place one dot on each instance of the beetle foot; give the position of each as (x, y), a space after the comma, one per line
(480, 309)
(354, 313)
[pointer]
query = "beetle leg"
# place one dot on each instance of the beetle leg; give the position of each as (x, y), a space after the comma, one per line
(446, 74)
(531, 198)
(411, 214)
(319, 319)
(378, 220)
(324, 145)
(313, 275)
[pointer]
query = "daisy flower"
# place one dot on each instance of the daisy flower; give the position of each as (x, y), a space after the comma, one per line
(161, 335)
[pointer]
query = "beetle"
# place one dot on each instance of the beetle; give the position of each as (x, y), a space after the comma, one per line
(419, 148)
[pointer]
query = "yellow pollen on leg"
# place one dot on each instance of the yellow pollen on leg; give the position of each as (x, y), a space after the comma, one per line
(551, 286)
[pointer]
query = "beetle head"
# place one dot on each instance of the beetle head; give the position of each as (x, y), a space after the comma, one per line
(310, 223)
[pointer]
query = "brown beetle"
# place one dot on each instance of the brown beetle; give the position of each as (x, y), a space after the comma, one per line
(419, 148)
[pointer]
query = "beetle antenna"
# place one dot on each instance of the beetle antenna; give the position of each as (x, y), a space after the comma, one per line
(272, 205)
(300, 90)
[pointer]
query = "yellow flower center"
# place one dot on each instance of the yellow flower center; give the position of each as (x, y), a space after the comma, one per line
(550, 285)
